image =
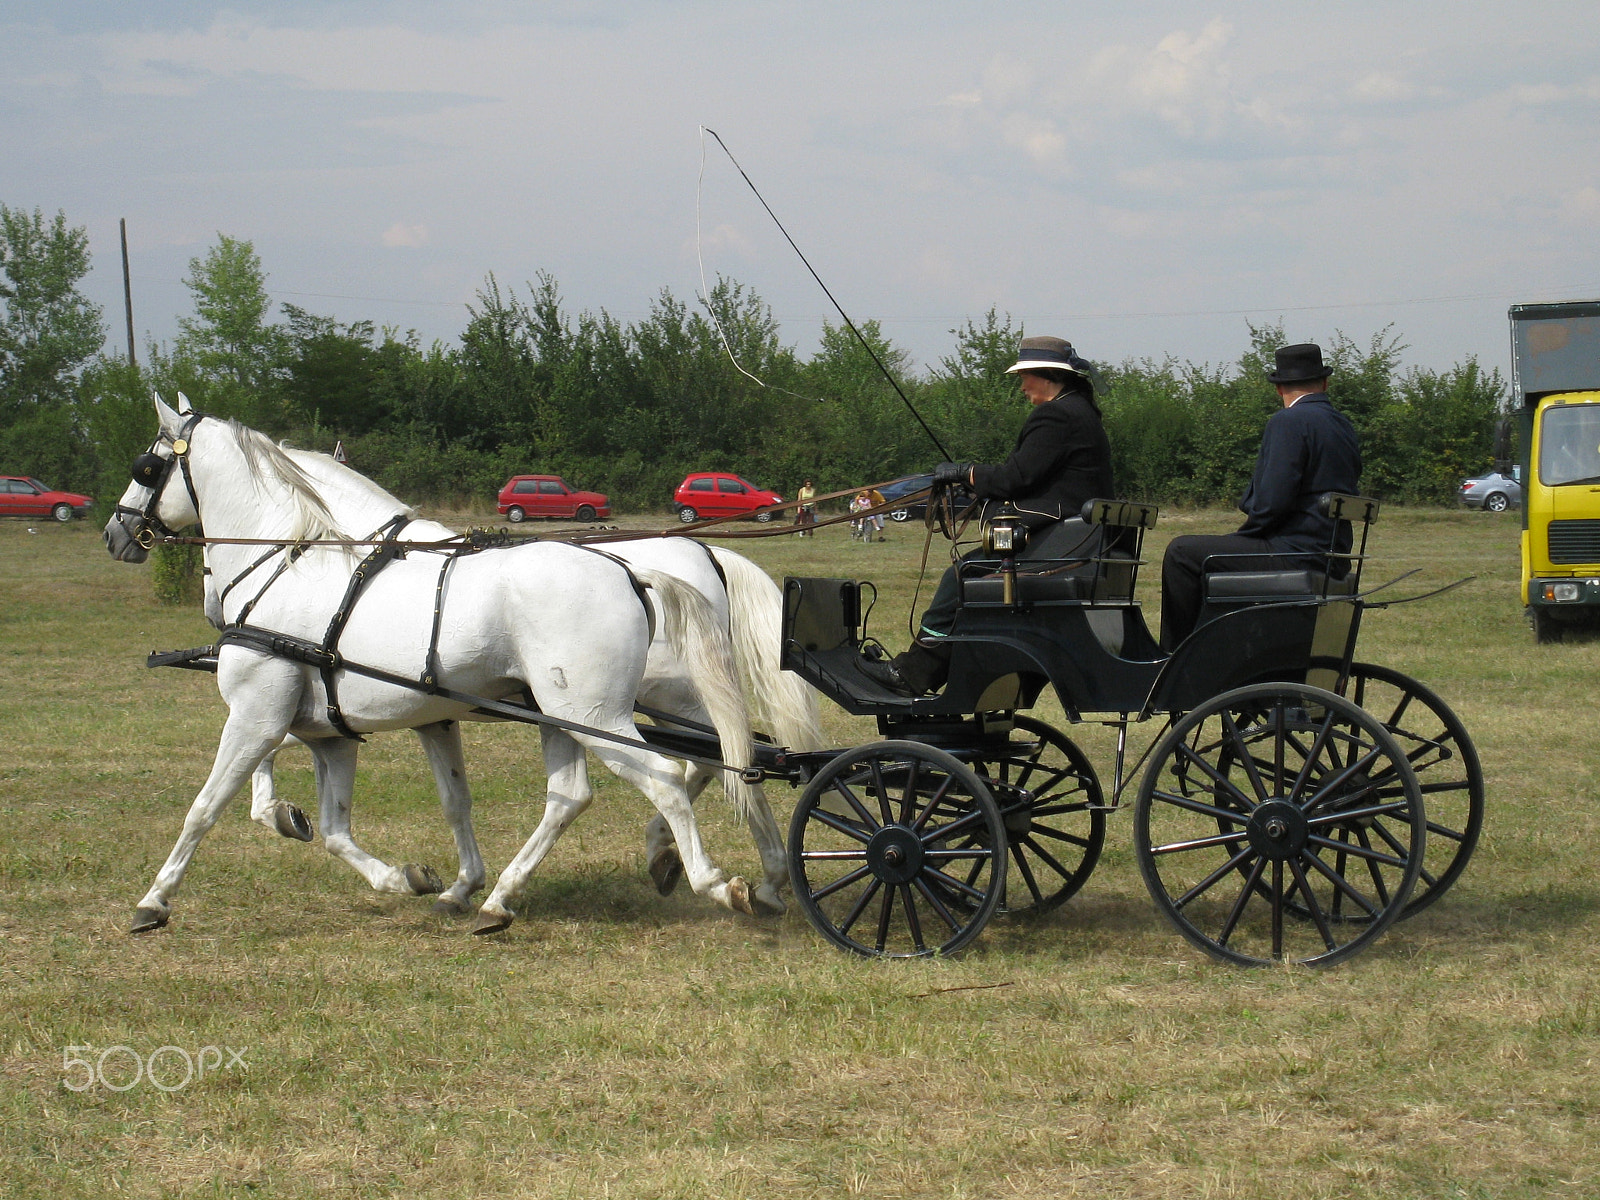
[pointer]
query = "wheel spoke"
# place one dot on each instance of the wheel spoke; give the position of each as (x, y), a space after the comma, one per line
(1234, 816)
(938, 906)
(848, 828)
(913, 918)
(860, 906)
(1364, 851)
(1026, 871)
(1311, 903)
(885, 917)
(841, 883)
(1211, 880)
(1339, 881)
(1251, 881)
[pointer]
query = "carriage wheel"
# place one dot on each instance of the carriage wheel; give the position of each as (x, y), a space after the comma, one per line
(1446, 764)
(1280, 801)
(893, 851)
(1049, 797)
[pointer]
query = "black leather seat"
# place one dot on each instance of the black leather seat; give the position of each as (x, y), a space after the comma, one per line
(1245, 587)
(1058, 565)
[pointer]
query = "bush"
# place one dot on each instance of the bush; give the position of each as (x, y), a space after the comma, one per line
(175, 574)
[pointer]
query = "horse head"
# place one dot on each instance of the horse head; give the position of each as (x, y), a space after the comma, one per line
(149, 505)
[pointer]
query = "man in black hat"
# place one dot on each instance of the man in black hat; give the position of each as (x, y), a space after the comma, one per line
(1308, 448)
(1061, 459)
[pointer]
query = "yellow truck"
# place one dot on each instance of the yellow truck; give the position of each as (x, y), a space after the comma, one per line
(1555, 355)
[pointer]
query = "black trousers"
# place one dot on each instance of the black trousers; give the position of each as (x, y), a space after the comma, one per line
(1181, 571)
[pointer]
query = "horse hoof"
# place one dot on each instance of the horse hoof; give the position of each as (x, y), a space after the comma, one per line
(739, 896)
(768, 903)
(443, 907)
(666, 868)
(146, 919)
(489, 922)
(292, 823)
(423, 881)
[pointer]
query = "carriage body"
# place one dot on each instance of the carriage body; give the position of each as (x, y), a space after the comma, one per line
(1276, 818)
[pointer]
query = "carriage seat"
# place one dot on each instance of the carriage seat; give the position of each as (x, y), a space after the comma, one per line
(1259, 587)
(1058, 565)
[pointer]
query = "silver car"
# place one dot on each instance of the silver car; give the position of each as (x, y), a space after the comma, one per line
(1493, 492)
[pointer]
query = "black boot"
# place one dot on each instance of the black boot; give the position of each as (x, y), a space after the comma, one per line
(919, 671)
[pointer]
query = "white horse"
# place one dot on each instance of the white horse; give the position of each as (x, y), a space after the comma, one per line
(558, 623)
(741, 595)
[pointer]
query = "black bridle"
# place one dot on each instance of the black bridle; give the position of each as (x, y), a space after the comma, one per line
(152, 470)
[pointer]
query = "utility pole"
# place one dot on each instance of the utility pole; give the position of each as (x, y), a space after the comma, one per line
(127, 291)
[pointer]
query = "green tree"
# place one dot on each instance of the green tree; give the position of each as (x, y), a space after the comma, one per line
(49, 332)
(227, 347)
(331, 373)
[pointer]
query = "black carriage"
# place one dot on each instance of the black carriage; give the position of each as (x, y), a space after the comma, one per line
(1295, 803)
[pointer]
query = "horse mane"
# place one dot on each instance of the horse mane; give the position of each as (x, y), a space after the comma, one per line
(311, 518)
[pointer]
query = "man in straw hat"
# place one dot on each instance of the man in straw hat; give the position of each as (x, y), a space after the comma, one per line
(1060, 460)
(1308, 448)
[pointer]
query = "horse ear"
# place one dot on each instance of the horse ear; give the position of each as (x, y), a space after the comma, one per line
(184, 407)
(169, 419)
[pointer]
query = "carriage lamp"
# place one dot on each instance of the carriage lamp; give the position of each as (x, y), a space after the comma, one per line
(1006, 538)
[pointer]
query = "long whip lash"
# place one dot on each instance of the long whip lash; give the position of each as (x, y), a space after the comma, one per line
(851, 325)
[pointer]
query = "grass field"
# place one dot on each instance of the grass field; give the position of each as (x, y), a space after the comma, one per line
(614, 1043)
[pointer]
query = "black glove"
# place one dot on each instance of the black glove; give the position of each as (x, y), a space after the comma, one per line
(951, 474)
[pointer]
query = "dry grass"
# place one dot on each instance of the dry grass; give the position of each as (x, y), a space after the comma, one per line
(615, 1043)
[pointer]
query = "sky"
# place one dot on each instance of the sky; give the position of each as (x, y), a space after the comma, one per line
(1146, 180)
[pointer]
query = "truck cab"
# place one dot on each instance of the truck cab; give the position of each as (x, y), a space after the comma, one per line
(1556, 374)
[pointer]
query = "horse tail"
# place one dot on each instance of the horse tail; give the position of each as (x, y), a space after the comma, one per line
(780, 701)
(702, 644)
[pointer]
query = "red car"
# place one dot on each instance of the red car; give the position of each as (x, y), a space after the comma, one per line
(720, 494)
(548, 496)
(24, 496)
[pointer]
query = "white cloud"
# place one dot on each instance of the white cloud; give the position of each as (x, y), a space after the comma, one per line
(401, 234)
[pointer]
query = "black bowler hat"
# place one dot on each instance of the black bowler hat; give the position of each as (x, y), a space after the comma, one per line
(1299, 364)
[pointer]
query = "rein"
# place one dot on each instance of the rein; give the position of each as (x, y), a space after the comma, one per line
(484, 539)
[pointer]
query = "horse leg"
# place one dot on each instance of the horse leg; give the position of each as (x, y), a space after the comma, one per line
(662, 781)
(567, 795)
(766, 899)
(442, 744)
(666, 865)
(335, 762)
(246, 739)
(265, 807)
(661, 850)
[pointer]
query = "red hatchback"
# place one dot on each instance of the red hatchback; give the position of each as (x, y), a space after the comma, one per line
(24, 496)
(719, 494)
(548, 496)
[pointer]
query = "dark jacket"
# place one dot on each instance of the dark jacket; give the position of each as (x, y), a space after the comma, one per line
(1061, 459)
(1306, 450)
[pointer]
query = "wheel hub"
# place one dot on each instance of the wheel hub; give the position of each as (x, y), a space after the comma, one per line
(1278, 830)
(895, 854)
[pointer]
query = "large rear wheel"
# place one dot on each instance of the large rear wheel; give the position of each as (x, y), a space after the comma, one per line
(896, 851)
(1280, 823)
(1446, 764)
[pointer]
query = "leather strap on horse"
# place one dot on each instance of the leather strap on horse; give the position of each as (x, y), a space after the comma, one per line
(382, 555)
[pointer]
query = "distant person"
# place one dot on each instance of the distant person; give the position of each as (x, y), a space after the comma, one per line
(806, 515)
(860, 525)
(1308, 448)
(876, 500)
(1061, 459)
